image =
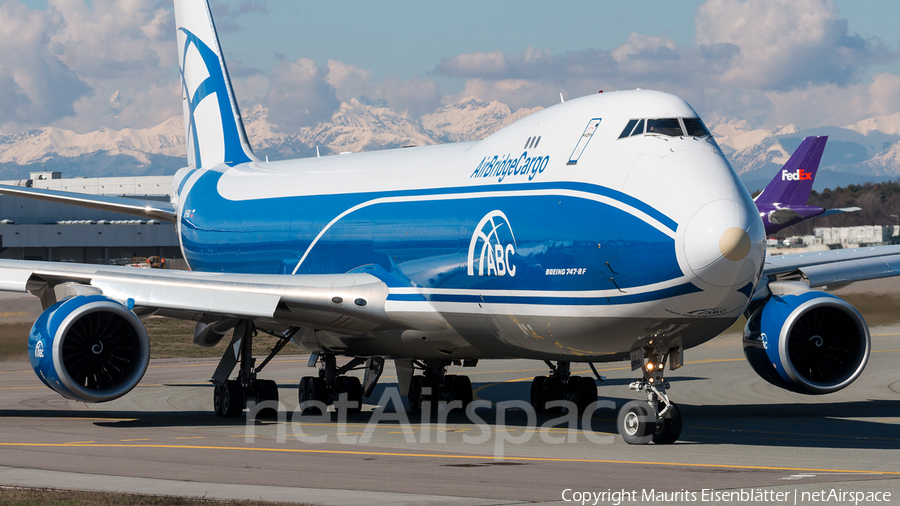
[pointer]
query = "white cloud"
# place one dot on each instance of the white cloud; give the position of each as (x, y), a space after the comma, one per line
(478, 63)
(761, 60)
(638, 45)
(830, 104)
(66, 61)
(516, 93)
(350, 81)
(412, 97)
(768, 62)
(36, 86)
(300, 95)
(785, 44)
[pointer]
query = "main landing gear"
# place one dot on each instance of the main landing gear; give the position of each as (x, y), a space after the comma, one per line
(231, 396)
(560, 385)
(435, 386)
(317, 392)
(657, 419)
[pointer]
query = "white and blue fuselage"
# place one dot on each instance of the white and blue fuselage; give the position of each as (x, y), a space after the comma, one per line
(562, 235)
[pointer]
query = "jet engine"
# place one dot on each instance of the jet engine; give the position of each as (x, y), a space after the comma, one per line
(89, 348)
(811, 342)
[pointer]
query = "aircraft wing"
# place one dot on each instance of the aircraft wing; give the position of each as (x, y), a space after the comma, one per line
(839, 210)
(346, 302)
(833, 267)
(152, 209)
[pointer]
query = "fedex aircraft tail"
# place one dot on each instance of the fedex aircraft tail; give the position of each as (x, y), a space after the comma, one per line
(212, 120)
(784, 201)
(792, 184)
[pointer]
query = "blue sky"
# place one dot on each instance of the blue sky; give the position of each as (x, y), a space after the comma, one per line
(406, 39)
(755, 63)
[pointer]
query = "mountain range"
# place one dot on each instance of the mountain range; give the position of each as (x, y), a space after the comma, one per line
(868, 150)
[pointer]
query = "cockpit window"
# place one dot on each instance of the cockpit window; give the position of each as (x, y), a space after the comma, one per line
(695, 127)
(628, 128)
(670, 127)
(665, 126)
(639, 129)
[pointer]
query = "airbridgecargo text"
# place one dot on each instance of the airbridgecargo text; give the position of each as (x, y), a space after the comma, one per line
(511, 166)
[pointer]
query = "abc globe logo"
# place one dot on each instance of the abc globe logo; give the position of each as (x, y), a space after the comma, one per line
(492, 247)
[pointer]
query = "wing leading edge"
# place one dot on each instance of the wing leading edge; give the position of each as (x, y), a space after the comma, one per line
(152, 209)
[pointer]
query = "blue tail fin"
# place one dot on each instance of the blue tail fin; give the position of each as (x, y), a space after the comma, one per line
(792, 184)
(213, 125)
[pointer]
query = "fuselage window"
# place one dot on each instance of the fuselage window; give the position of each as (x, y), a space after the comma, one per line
(695, 127)
(537, 141)
(665, 126)
(628, 128)
(528, 142)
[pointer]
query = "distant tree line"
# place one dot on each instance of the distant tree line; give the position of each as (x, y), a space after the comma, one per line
(880, 204)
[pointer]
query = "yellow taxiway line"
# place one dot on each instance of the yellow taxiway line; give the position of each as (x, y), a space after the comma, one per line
(443, 456)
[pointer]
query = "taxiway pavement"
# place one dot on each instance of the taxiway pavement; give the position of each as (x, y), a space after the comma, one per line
(740, 433)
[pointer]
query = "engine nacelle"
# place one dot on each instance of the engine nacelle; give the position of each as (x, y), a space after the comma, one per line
(810, 343)
(89, 348)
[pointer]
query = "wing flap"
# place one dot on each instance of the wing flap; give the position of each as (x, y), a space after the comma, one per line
(14, 280)
(340, 301)
(849, 271)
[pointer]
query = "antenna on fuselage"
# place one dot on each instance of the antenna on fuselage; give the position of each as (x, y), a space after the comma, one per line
(561, 99)
(317, 152)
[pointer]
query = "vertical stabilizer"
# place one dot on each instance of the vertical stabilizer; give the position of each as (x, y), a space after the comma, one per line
(213, 126)
(792, 184)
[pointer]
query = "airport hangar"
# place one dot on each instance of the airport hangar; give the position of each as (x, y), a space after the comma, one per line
(48, 231)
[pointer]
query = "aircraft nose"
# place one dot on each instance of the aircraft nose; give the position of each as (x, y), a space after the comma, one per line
(724, 243)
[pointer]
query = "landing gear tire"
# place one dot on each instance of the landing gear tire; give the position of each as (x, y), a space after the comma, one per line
(315, 391)
(461, 387)
(538, 402)
(304, 386)
(552, 390)
(267, 390)
(636, 423)
(585, 392)
(352, 387)
(668, 429)
(232, 399)
(217, 400)
(415, 394)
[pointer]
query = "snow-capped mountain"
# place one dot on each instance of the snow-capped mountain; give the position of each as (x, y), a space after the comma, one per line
(29, 147)
(359, 125)
(367, 125)
(868, 150)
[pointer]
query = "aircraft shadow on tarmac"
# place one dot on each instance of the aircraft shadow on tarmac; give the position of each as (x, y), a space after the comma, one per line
(868, 424)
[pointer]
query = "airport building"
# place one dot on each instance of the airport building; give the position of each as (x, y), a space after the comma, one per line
(37, 230)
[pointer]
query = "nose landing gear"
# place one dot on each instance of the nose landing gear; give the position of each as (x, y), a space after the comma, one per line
(657, 419)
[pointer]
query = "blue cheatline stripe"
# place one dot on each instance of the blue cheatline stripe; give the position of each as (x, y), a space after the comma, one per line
(358, 198)
(584, 187)
(662, 293)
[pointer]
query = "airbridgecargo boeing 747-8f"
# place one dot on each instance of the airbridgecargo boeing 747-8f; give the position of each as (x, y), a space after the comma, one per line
(606, 228)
